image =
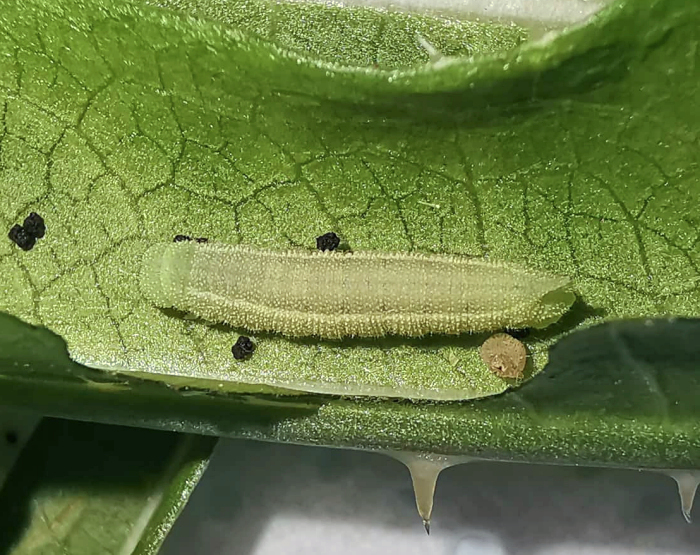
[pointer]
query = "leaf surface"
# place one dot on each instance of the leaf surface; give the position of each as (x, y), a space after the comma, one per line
(124, 124)
(621, 394)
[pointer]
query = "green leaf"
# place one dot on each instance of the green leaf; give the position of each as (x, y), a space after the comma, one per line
(36, 371)
(124, 124)
(358, 36)
(622, 393)
(165, 145)
(93, 488)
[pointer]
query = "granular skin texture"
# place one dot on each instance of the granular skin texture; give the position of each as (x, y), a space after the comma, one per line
(340, 294)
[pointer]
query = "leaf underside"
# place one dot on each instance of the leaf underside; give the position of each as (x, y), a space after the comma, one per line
(622, 394)
(123, 125)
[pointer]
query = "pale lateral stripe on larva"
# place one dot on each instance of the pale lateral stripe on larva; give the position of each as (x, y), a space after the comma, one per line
(336, 294)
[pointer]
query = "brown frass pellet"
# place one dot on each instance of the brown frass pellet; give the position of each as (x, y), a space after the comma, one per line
(504, 355)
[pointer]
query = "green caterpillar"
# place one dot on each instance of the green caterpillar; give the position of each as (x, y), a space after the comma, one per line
(340, 294)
